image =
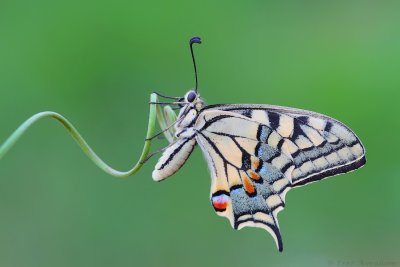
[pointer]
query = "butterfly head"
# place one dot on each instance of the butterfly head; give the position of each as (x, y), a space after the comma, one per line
(193, 99)
(190, 105)
(190, 96)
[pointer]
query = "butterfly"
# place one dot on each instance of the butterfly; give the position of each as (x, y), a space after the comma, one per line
(257, 153)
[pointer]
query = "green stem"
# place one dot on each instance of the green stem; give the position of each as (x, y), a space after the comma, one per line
(82, 143)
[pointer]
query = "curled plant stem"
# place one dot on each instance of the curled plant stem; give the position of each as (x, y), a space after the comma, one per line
(5, 147)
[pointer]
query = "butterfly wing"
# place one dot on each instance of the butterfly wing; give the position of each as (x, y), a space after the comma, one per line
(320, 146)
(256, 155)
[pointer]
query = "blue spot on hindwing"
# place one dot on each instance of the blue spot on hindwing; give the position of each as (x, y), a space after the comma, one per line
(270, 173)
(264, 134)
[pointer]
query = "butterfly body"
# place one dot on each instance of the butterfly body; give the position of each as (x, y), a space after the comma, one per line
(257, 153)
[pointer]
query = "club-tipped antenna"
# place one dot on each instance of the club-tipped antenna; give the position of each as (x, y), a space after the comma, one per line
(194, 40)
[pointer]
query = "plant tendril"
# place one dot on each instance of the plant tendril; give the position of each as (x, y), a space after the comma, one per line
(5, 147)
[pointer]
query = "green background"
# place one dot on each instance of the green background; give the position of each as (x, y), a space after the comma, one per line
(96, 62)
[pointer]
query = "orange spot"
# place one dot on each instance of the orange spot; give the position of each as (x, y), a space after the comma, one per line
(254, 175)
(248, 186)
(255, 162)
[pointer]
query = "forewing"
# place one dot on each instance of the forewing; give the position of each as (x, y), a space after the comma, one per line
(319, 146)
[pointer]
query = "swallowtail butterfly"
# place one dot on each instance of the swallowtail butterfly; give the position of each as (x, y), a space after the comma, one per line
(257, 153)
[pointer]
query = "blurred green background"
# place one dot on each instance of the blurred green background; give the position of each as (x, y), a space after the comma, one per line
(96, 62)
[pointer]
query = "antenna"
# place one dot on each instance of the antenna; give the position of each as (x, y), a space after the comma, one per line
(194, 40)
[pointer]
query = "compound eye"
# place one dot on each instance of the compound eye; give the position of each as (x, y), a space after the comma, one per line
(191, 96)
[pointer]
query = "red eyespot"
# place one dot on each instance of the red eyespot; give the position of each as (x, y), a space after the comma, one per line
(220, 202)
